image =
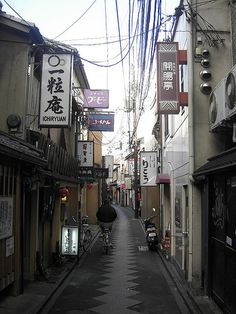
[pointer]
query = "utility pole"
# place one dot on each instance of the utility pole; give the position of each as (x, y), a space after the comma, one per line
(135, 180)
(135, 160)
(133, 93)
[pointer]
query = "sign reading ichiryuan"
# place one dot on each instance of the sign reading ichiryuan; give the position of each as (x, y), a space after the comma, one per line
(55, 90)
(101, 122)
(85, 153)
(148, 168)
(96, 98)
(167, 78)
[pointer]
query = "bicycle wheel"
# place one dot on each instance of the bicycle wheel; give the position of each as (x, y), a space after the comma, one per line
(107, 242)
(87, 240)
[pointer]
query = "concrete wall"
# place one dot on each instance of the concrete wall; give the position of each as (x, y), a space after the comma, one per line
(13, 82)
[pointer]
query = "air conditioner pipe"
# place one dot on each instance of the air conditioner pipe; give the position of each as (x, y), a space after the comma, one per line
(191, 150)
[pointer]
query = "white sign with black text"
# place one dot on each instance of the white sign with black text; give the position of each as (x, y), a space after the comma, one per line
(85, 153)
(148, 168)
(69, 240)
(56, 90)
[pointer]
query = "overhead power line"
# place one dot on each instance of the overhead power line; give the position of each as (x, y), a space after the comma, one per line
(76, 20)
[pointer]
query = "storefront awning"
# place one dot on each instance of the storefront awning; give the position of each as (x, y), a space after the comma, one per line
(16, 148)
(222, 162)
(163, 178)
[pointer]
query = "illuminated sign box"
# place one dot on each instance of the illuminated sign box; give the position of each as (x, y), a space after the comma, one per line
(69, 240)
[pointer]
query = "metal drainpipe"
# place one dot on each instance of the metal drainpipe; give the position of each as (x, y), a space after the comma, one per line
(29, 94)
(172, 209)
(191, 149)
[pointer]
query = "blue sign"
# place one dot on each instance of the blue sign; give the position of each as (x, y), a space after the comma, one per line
(101, 122)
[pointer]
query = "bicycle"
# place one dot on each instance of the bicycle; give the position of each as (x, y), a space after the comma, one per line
(85, 233)
(106, 239)
(106, 235)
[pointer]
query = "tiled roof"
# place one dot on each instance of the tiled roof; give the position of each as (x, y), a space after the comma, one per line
(221, 162)
(21, 25)
(18, 149)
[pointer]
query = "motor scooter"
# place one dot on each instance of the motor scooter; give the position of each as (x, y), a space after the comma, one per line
(151, 232)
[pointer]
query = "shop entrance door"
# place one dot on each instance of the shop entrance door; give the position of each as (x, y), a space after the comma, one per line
(222, 259)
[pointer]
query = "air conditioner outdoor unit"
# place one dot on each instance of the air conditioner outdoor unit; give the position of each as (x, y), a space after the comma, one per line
(217, 117)
(230, 94)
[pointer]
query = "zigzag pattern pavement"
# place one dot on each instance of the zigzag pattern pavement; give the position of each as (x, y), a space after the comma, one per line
(129, 280)
(119, 293)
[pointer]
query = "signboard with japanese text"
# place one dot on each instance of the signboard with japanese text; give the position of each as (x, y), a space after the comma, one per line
(86, 172)
(128, 183)
(6, 217)
(69, 240)
(56, 86)
(100, 173)
(109, 164)
(101, 122)
(167, 78)
(91, 173)
(85, 153)
(131, 166)
(148, 168)
(96, 98)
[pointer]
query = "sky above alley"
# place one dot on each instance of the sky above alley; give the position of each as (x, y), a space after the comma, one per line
(88, 25)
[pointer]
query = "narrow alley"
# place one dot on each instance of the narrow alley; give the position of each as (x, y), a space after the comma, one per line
(130, 279)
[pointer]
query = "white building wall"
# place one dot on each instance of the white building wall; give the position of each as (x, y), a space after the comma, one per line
(189, 142)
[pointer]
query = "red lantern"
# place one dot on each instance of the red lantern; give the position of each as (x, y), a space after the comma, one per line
(89, 185)
(63, 191)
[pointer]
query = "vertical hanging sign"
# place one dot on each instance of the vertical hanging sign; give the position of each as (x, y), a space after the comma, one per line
(131, 166)
(109, 163)
(167, 78)
(55, 98)
(85, 153)
(148, 168)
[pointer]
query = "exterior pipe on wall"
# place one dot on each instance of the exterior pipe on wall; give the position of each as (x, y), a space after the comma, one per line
(172, 208)
(191, 150)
